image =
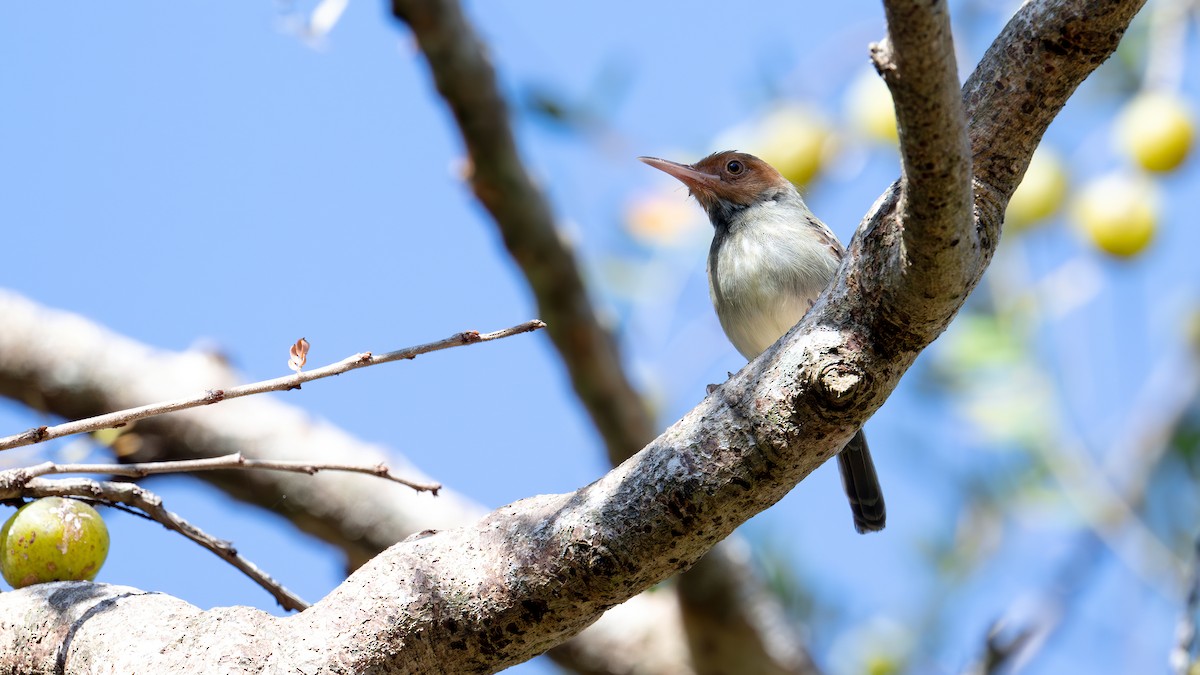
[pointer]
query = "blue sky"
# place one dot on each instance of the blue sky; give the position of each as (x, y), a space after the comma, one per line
(193, 172)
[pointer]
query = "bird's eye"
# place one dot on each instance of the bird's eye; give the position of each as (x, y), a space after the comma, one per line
(734, 167)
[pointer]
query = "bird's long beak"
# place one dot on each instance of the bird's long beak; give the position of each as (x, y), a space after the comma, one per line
(695, 180)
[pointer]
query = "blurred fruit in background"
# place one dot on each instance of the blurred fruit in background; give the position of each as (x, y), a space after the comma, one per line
(1118, 213)
(870, 109)
(1041, 192)
(1155, 129)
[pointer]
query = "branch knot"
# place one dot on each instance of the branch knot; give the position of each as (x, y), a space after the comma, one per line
(840, 385)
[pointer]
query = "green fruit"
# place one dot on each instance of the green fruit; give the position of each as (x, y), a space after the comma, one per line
(52, 539)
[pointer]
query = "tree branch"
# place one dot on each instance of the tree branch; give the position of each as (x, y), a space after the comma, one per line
(935, 256)
(762, 640)
(934, 215)
(1043, 54)
(121, 418)
(151, 505)
(465, 78)
(17, 477)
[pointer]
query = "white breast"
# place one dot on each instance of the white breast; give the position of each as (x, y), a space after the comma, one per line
(765, 272)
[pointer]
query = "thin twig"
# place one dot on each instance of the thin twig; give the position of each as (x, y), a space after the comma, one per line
(1181, 659)
(123, 417)
(149, 503)
(232, 461)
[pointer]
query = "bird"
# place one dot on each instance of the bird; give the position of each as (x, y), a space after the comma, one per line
(769, 260)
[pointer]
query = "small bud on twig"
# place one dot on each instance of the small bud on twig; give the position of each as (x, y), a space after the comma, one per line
(299, 352)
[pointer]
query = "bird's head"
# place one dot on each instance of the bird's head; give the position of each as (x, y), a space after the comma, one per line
(726, 182)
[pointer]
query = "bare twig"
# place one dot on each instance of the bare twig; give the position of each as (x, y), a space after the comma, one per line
(123, 417)
(149, 503)
(233, 461)
(1181, 657)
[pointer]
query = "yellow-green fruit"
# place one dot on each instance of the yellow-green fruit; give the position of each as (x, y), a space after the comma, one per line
(870, 108)
(1118, 213)
(1041, 191)
(1156, 130)
(792, 139)
(52, 539)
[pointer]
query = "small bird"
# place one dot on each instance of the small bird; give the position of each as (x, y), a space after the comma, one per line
(770, 258)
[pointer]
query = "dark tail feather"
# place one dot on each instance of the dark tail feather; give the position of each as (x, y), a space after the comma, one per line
(862, 485)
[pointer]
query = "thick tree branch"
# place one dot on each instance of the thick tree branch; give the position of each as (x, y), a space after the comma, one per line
(1026, 76)
(917, 62)
(1043, 54)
